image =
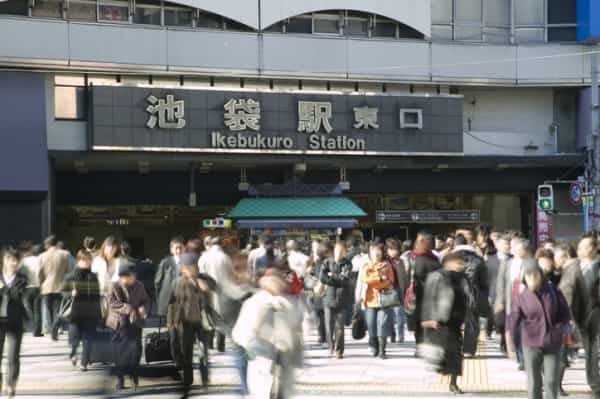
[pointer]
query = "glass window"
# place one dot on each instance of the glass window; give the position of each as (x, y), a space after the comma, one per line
(299, 25)
(529, 12)
(468, 10)
(326, 23)
(562, 34)
(277, 28)
(441, 11)
(117, 12)
(47, 9)
(69, 102)
(529, 35)
(82, 10)
(497, 12)
(384, 27)
(211, 21)
(357, 24)
(13, 7)
(147, 15)
(467, 33)
(441, 32)
(178, 17)
(406, 32)
(562, 12)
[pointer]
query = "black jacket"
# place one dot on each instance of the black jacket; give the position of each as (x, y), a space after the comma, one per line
(15, 311)
(419, 268)
(86, 304)
(165, 278)
(337, 278)
(477, 276)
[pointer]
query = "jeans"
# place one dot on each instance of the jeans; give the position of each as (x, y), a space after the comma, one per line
(379, 321)
(590, 344)
(52, 306)
(33, 306)
(539, 362)
(399, 321)
(334, 326)
(81, 333)
(241, 363)
(13, 339)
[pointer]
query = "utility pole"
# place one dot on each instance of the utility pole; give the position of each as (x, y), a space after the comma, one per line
(594, 147)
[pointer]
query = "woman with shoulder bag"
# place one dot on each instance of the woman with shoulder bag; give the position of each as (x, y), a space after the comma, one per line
(378, 277)
(128, 307)
(85, 315)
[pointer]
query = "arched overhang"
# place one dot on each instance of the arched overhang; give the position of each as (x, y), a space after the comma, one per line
(415, 14)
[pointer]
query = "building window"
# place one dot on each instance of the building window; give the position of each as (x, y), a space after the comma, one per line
(562, 34)
(384, 27)
(299, 24)
(147, 13)
(70, 97)
(235, 26)
(47, 9)
(82, 10)
(357, 24)
(178, 17)
(14, 7)
(211, 21)
(562, 12)
(326, 23)
(113, 11)
(411, 118)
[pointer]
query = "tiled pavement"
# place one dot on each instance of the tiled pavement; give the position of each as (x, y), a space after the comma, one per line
(46, 372)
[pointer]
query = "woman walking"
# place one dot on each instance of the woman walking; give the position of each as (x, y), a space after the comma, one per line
(378, 277)
(335, 274)
(13, 283)
(107, 264)
(446, 299)
(542, 313)
(128, 306)
(85, 311)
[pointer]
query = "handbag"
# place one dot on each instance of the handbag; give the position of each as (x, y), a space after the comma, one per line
(66, 308)
(389, 298)
(359, 325)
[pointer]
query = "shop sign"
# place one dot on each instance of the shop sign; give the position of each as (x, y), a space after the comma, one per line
(544, 226)
(428, 217)
(218, 223)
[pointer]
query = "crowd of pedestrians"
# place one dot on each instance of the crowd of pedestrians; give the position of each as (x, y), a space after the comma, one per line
(542, 305)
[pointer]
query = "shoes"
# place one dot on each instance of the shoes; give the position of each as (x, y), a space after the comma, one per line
(83, 368)
(120, 384)
(73, 360)
(562, 392)
(135, 381)
(382, 345)
(521, 367)
(455, 389)
(393, 339)
(401, 340)
(339, 356)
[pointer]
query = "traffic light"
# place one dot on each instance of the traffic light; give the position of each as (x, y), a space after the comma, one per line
(545, 197)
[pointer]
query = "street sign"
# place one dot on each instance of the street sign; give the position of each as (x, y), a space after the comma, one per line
(575, 194)
(217, 223)
(427, 217)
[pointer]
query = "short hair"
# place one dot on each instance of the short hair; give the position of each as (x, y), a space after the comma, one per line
(483, 229)
(292, 245)
(325, 248)
(50, 241)
(126, 248)
(453, 257)
(176, 240)
(407, 245)
(425, 235)
(37, 250)
(11, 252)
(392, 243)
(351, 241)
(460, 240)
(89, 242)
(194, 245)
(84, 254)
(544, 253)
(377, 244)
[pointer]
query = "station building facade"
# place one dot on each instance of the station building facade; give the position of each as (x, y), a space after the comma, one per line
(150, 117)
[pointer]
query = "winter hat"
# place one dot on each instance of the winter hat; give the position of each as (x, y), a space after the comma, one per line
(127, 268)
(189, 259)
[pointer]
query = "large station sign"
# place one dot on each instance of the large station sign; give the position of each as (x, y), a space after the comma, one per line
(146, 119)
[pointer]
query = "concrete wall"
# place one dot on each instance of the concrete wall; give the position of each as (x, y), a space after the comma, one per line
(155, 49)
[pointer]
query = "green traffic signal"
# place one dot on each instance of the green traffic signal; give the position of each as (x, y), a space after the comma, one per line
(545, 204)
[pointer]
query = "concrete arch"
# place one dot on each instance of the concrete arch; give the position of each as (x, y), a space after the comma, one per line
(244, 11)
(415, 14)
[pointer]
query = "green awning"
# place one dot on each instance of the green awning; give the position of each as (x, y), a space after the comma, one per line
(313, 207)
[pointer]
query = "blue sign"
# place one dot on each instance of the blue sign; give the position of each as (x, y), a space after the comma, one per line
(575, 194)
(588, 21)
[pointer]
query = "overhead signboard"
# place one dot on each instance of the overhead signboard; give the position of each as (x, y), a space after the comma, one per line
(147, 119)
(428, 217)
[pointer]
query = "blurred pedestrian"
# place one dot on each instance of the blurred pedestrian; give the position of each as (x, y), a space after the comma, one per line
(128, 309)
(13, 283)
(447, 298)
(543, 313)
(55, 263)
(169, 269)
(30, 266)
(393, 252)
(83, 286)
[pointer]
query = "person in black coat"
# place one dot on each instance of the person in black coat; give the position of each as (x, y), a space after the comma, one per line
(335, 274)
(12, 316)
(447, 298)
(83, 286)
(168, 271)
(476, 273)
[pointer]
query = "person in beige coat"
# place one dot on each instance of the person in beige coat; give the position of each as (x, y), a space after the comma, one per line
(55, 263)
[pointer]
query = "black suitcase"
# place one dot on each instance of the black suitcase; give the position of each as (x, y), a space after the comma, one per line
(157, 347)
(101, 350)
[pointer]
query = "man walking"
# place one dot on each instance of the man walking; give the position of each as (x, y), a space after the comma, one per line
(55, 263)
(168, 271)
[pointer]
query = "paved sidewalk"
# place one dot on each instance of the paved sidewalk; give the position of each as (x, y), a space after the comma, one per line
(47, 372)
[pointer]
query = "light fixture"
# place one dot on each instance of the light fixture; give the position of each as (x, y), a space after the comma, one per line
(144, 167)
